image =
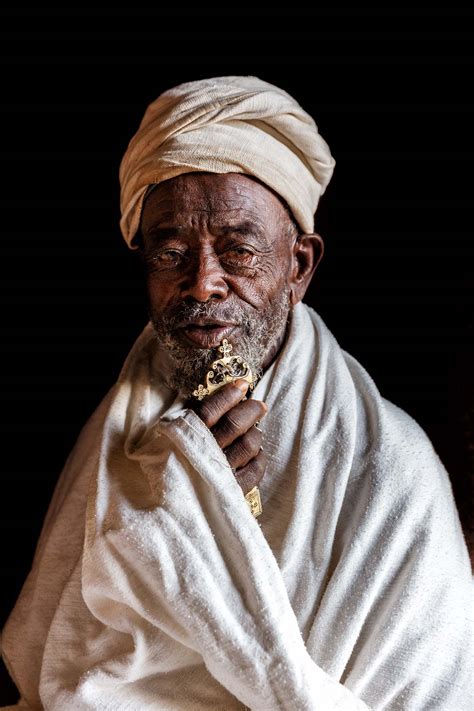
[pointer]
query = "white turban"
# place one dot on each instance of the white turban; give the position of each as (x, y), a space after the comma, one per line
(230, 124)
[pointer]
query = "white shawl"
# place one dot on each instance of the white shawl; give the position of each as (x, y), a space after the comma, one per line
(352, 590)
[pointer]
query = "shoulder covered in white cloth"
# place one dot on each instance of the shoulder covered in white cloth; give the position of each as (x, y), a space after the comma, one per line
(154, 587)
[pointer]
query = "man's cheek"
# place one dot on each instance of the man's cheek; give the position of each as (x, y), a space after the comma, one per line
(261, 294)
(256, 292)
(161, 298)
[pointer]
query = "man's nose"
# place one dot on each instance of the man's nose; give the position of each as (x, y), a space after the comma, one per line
(206, 280)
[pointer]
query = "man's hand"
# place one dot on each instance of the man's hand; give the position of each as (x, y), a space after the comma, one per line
(232, 422)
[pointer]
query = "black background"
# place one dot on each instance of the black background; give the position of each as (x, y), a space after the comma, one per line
(392, 93)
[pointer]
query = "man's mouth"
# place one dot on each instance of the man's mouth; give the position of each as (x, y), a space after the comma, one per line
(206, 333)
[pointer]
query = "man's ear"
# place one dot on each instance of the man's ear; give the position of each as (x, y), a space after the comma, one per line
(308, 251)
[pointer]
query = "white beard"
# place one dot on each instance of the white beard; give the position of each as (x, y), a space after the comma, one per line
(188, 366)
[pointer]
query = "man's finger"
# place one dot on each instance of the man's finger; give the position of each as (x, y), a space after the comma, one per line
(238, 421)
(252, 474)
(245, 448)
(213, 407)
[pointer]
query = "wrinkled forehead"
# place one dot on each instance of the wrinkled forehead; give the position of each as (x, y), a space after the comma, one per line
(220, 197)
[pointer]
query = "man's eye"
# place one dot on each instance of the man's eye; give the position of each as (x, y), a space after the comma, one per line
(166, 258)
(238, 256)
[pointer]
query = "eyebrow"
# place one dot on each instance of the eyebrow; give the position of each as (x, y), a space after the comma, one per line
(162, 231)
(246, 227)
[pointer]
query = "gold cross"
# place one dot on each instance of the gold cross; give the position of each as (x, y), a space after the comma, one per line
(226, 348)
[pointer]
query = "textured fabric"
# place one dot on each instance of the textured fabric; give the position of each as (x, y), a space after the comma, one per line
(153, 587)
(232, 124)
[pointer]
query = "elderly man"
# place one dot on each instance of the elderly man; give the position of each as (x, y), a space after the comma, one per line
(244, 520)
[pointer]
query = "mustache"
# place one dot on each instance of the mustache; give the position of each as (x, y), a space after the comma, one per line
(182, 314)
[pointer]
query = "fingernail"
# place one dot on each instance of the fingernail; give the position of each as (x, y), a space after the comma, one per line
(243, 385)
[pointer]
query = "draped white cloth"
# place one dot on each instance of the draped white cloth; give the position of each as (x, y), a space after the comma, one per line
(153, 587)
(227, 124)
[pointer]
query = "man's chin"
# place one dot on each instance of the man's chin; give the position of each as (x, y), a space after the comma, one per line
(183, 365)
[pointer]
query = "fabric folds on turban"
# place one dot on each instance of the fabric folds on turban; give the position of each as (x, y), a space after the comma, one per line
(229, 124)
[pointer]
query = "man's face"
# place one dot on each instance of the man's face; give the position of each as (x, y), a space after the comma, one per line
(217, 251)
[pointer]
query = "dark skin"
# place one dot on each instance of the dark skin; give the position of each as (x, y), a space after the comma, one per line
(225, 237)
